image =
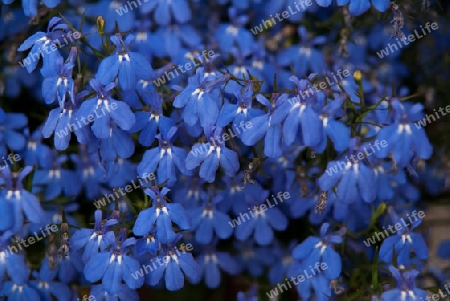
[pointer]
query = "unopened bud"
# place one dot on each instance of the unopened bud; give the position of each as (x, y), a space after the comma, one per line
(100, 25)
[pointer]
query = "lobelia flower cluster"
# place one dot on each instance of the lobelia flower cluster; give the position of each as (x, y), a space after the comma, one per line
(240, 125)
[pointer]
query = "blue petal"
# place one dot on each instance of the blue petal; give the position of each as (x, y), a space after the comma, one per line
(227, 114)
(131, 265)
(221, 225)
(381, 5)
(290, 126)
(204, 233)
(178, 215)
(102, 125)
(51, 122)
(229, 161)
(197, 155)
(123, 143)
(162, 14)
(96, 267)
(164, 231)
(181, 11)
(339, 134)
(212, 275)
(145, 221)
(303, 250)
(149, 162)
(108, 69)
(122, 115)
(272, 142)
(311, 127)
(259, 128)
(263, 232)
(209, 168)
(32, 207)
(207, 110)
(112, 279)
(334, 262)
(174, 278)
(358, 7)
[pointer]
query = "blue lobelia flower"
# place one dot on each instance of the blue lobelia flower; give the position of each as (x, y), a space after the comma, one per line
(403, 138)
(104, 110)
(404, 241)
(212, 155)
(253, 259)
(405, 286)
(63, 120)
(315, 250)
(148, 122)
(130, 67)
(244, 68)
(264, 218)
(120, 173)
(114, 266)
(180, 10)
(64, 261)
(212, 261)
(303, 120)
(240, 112)
(94, 240)
(144, 42)
(172, 265)
(10, 262)
(148, 243)
(304, 57)
(353, 178)
(15, 201)
(30, 6)
(358, 7)
(16, 79)
(55, 181)
(267, 126)
(10, 136)
(337, 131)
(162, 214)
(199, 98)
(88, 171)
(58, 82)
(18, 289)
(47, 287)
(45, 44)
(118, 145)
(316, 282)
(235, 34)
(283, 262)
(36, 152)
(207, 220)
(165, 157)
(174, 37)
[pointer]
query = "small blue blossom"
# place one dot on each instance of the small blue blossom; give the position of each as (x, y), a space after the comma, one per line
(212, 155)
(162, 214)
(43, 44)
(114, 266)
(174, 264)
(405, 286)
(127, 65)
(403, 242)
